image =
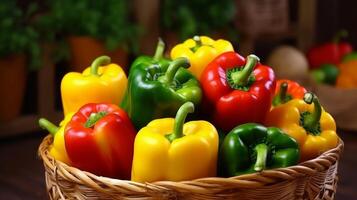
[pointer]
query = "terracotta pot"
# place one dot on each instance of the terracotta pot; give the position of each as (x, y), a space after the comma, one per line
(85, 49)
(12, 86)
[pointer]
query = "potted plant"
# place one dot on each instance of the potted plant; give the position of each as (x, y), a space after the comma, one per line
(91, 29)
(18, 47)
(185, 19)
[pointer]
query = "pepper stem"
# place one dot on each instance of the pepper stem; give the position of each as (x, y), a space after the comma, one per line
(262, 153)
(160, 47)
(101, 60)
(283, 92)
(339, 35)
(47, 125)
(282, 96)
(241, 77)
(312, 120)
(94, 117)
(174, 66)
(180, 118)
(198, 41)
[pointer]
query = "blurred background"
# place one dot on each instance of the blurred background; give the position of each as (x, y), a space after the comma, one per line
(41, 41)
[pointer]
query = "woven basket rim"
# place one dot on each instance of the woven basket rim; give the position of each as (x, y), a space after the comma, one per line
(266, 177)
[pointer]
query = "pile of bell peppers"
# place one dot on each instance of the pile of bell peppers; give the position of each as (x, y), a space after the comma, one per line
(334, 63)
(242, 120)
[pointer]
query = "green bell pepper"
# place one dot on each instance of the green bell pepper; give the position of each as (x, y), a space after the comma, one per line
(252, 148)
(350, 56)
(157, 87)
(327, 74)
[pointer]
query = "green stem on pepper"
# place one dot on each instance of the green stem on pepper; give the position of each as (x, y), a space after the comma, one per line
(159, 52)
(198, 41)
(171, 71)
(93, 118)
(311, 121)
(262, 154)
(101, 60)
(241, 77)
(180, 118)
(282, 96)
(47, 125)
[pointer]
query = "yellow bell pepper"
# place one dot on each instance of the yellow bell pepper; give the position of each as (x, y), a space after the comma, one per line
(200, 51)
(168, 149)
(58, 148)
(106, 84)
(307, 122)
(347, 77)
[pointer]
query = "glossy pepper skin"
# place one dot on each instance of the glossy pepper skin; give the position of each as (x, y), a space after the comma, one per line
(200, 50)
(287, 90)
(99, 139)
(347, 77)
(329, 53)
(306, 121)
(237, 90)
(156, 89)
(103, 82)
(169, 150)
(58, 148)
(251, 147)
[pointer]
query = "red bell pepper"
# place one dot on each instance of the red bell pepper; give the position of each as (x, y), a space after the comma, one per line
(286, 90)
(329, 53)
(100, 139)
(238, 90)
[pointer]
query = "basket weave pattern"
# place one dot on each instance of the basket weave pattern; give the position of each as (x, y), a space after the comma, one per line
(314, 179)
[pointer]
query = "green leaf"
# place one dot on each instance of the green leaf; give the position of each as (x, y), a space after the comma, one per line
(108, 21)
(188, 18)
(17, 35)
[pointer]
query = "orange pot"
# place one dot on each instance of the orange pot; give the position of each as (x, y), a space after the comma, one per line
(85, 49)
(12, 86)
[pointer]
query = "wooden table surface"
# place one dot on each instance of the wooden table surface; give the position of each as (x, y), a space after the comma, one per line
(22, 173)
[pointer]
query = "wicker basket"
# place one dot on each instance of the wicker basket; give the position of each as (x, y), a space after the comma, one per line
(314, 179)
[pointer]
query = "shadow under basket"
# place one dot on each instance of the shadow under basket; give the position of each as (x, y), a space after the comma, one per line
(313, 179)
